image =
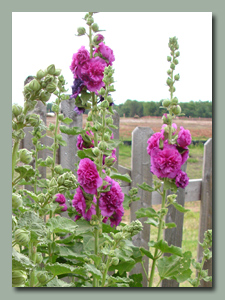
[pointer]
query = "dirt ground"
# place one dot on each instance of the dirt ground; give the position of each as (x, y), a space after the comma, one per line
(199, 127)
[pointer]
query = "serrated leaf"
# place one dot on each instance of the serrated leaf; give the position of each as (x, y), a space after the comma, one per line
(137, 280)
(146, 252)
(25, 171)
(32, 195)
(59, 269)
(93, 270)
(180, 207)
(83, 227)
(148, 212)
(122, 267)
(59, 283)
(61, 225)
(86, 153)
(174, 267)
(152, 221)
(62, 143)
(165, 248)
(70, 130)
(144, 186)
(67, 120)
(124, 177)
(126, 202)
(168, 185)
(85, 97)
(20, 261)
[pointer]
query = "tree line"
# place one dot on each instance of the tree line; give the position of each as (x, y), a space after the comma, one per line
(194, 109)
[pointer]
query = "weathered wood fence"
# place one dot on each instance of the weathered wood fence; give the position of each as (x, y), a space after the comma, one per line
(198, 189)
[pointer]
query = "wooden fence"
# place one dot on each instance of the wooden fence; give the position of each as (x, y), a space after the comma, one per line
(198, 189)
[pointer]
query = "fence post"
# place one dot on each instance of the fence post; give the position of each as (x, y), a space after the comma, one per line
(206, 206)
(140, 172)
(173, 236)
(68, 154)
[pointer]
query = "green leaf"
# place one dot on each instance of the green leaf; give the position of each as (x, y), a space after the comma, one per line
(152, 221)
(146, 252)
(170, 225)
(125, 266)
(58, 269)
(85, 97)
(144, 186)
(83, 227)
(86, 153)
(70, 130)
(174, 267)
(20, 261)
(61, 225)
(124, 177)
(164, 248)
(62, 143)
(25, 171)
(180, 207)
(59, 283)
(137, 280)
(67, 120)
(168, 185)
(123, 255)
(148, 212)
(93, 270)
(126, 202)
(67, 252)
(32, 195)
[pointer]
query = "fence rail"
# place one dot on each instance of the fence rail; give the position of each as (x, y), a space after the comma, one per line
(198, 189)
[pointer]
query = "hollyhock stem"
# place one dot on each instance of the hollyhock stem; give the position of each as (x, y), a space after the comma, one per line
(55, 143)
(158, 238)
(36, 169)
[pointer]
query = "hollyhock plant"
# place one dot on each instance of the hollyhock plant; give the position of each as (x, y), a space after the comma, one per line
(81, 144)
(88, 176)
(79, 204)
(165, 162)
(78, 61)
(60, 198)
(182, 179)
(153, 141)
(116, 217)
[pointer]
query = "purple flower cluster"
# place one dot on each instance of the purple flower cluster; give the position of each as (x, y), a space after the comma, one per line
(167, 159)
(60, 198)
(88, 72)
(110, 202)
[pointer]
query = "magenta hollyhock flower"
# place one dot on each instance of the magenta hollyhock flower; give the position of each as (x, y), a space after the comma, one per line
(99, 37)
(81, 144)
(78, 60)
(112, 200)
(64, 207)
(60, 198)
(105, 52)
(184, 137)
(116, 218)
(153, 141)
(79, 204)
(91, 73)
(182, 179)
(88, 176)
(185, 154)
(165, 162)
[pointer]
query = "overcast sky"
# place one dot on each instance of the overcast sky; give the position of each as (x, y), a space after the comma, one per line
(139, 41)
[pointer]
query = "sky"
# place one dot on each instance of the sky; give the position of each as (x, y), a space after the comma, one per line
(139, 41)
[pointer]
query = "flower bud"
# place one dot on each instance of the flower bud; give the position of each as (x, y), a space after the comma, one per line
(177, 53)
(51, 69)
(95, 27)
(25, 156)
(51, 87)
(18, 135)
(172, 66)
(33, 120)
(38, 257)
(45, 96)
(49, 161)
(40, 74)
(21, 119)
(55, 108)
(167, 119)
(41, 198)
(105, 104)
(58, 169)
(81, 31)
(169, 82)
(109, 121)
(34, 85)
(51, 127)
(53, 182)
(22, 237)
(42, 276)
(106, 137)
(115, 261)
(176, 109)
(16, 200)
(177, 77)
(60, 180)
(168, 58)
(14, 222)
(166, 102)
(57, 72)
(169, 72)
(174, 101)
(90, 21)
(109, 161)
(102, 145)
(102, 91)
(16, 110)
(96, 151)
(98, 38)
(18, 278)
(175, 61)
(14, 125)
